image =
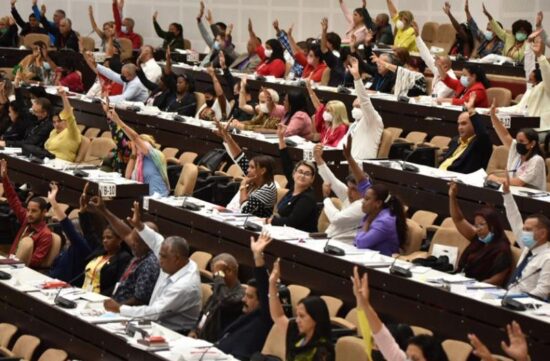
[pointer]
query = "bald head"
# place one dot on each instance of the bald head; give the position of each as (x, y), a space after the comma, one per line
(227, 259)
(129, 71)
(178, 246)
(65, 26)
(445, 61)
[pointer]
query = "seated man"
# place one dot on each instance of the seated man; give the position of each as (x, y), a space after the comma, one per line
(31, 219)
(39, 119)
(148, 64)
(472, 148)
(533, 236)
(125, 28)
(65, 36)
(247, 62)
(132, 88)
(58, 15)
(248, 333)
(176, 299)
(226, 303)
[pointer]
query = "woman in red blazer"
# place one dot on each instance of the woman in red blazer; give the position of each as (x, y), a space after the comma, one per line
(272, 55)
(473, 80)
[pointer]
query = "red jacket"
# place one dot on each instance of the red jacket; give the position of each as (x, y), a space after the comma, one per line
(40, 233)
(308, 69)
(328, 136)
(276, 68)
(462, 94)
(133, 37)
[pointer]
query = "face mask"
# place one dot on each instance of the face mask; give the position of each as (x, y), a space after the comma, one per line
(124, 29)
(522, 148)
(356, 113)
(210, 103)
(327, 117)
(521, 36)
(488, 35)
(464, 81)
(263, 108)
(4, 31)
(268, 53)
(216, 45)
(487, 239)
(124, 79)
(528, 239)
(310, 61)
(399, 24)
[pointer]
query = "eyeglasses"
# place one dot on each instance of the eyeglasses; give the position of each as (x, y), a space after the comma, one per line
(480, 225)
(304, 173)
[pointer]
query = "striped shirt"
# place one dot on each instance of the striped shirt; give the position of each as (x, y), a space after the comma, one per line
(261, 201)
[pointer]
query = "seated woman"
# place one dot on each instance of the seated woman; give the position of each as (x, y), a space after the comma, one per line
(272, 56)
(404, 33)
(147, 164)
(297, 120)
(68, 76)
(384, 226)
(258, 192)
(525, 161)
(309, 335)
(173, 38)
(106, 34)
(37, 66)
(268, 114)
(464, 43)
(410, 80)
(298, 208)
(356, 23)
(514, 43)
(421, 347)
(17, 124)
(8, 32)
(103, 86)
(489, 43)
(242, 93)
(216, 106)
(312, 61)
(331, 120)
(473, 80)
(65, 138)
(488, 257)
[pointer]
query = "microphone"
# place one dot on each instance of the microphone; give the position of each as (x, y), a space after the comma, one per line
(399, 271)
(190, 206)
(408, 167)
(510, 302)
(251, 226)
(215, 344)
(333, 250)
(131, 329)
(62, 301)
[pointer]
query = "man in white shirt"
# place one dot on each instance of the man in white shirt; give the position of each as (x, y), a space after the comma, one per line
(148, 64)
(532, 273)
(344, 221)
(176, 299)
(132, 88)
(368, 125)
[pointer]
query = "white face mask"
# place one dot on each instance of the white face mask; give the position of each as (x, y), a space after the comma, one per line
(399, 24)
(356, 113)
(310, 61)
(263, 108)
(327, 117)
(268, 53)
(124, 29)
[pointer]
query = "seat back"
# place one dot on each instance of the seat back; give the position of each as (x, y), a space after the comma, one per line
(92, 132)
(352, 318)
(416, 137)
(82, 149)
(446, 36)
(170, 152)
(199, 97)
(429, 32)
(30, 39)
(385, 144)
(297, 293)
(282, 181)
(502, 96)
(53, 252)
(325, 77)
(498, 160)
(186, 44)
(24, 250)
(187, 157)
(99, 149)
(25, 346)
(187, 180)
(53, 354)
(206, 292)
(333, 304)
(424, 218)
(516, 254)
(350, 348)
(89, 43)
(396, 132)
(126, 47)
(7, 330)
(415, 235)
(323, 222)
(456, 350)
(417, 330)
(440, 141)
(201, 259)
(275, 343)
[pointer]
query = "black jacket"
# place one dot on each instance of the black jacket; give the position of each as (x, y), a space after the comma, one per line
(298, 211)
(478, 152)
(9, 38)
(25, 26)
(247, 334)
(166, 100)
(70, 41)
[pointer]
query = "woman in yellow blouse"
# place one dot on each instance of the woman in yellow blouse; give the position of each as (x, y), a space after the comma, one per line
(405, 36)
(65, 138)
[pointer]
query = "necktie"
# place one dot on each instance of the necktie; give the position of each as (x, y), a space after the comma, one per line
(516, 275)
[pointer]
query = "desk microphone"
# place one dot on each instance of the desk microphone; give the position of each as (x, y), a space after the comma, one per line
(190, 206)
(333, 250)
(251, 226)
(510, 302)
(215, 344)
(62, 301)
(131, 329)
(399, 271)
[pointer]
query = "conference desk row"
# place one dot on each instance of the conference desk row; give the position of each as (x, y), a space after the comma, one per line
(448, 314)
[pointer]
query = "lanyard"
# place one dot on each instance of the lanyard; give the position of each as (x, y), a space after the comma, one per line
(131, 268)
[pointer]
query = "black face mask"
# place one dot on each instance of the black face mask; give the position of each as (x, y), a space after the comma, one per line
(522, 148)
(209, 103)
(124, 79)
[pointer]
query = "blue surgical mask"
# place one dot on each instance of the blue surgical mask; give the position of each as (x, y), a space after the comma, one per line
(521, 36)
(464, 81)
(489, 35)
(528, 239)
(216, 45)
(488, 238)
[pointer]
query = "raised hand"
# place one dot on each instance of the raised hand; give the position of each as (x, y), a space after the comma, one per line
(52, 193)
(155, 15)
(318, 154)
(275, 272)
(517, 349)
(135, 221)
(506, 183)
(489, 16)
(209, 17)
(324, 25)
(353, 67)
(113, 115)
(3, 168)
(250, 28)
(361, 288)
(84, 198)
(281, 131)
(467, 7)
(13, 2)
(97, 204)
(43, 10)
(201, 10)
(538, 21)
(493, 110)
(480, 350)
(289, 32)
(447, 8)
(258, 245)
(276, 26)
(538, 47)
(453, 189)
(347, 148)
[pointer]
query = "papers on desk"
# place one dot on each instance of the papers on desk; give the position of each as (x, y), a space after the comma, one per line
(12, 151)
(284, 233)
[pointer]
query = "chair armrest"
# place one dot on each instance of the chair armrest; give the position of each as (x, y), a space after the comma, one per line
(414, 255)
(343, 323)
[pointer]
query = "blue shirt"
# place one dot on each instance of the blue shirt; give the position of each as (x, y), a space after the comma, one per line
(139, 279)
(152, 176)
(38, 17)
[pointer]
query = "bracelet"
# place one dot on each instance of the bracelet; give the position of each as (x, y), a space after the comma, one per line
(133, 157)
(275, 295)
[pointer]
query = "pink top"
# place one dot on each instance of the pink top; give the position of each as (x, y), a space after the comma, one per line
(360, 33)
(299, 124)
(387, 345)
(278, 111)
